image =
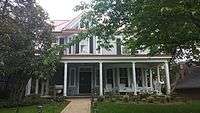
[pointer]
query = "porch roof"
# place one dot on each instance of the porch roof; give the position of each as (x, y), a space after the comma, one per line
(114, 58)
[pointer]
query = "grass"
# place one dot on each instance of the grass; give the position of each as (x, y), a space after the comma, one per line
(48, 108)
(111, 107)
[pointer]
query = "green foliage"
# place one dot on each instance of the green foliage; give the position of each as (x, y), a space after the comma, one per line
(25, 44)
(31, 100)
(101, 98)
(112, 107)
(52, 107)
(162, 26)
(143, 98)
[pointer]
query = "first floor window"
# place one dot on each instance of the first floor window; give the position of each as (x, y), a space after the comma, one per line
(72, 77)
(109, 74)
(139, 77)
(123, 76)
(97, 78)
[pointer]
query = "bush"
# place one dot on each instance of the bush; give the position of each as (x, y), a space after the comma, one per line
(126, 98)
(34, 100)
(31, 100)
(150, 99)
(142, 98)
(59, 99)
(100, 98)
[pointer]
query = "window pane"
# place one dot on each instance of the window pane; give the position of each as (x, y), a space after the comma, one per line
(72, 77)
(123, 72)
(97, 78)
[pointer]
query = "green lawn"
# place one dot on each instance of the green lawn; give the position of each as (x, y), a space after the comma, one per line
(109, 107)
(48, 108)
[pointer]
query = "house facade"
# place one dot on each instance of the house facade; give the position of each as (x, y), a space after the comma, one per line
(87, 68)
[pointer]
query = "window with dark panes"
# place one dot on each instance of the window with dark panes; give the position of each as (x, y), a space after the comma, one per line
(118, 42)
(109, 74)
(139, 77)
(91, 45)
(123, 74)
(77, 48)
(97, 78)
(72, 77)
(62, 41)
(70, 48)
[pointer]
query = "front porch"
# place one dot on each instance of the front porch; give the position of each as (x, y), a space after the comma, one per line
(113, 73)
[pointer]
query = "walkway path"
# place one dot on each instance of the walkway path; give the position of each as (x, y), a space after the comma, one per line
(78, 106)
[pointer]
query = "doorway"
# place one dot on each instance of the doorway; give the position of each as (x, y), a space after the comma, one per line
(85, 82)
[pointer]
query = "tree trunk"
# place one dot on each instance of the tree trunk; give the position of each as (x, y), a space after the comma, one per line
(18, 90)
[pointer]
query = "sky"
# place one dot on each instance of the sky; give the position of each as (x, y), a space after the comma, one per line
(60, 9)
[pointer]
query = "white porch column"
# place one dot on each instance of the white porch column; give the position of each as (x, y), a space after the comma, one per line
(101, 78)
(134, 79)
(47, 87)
(42, 88)
(167, 77)
(36, 86)
(28, 87)
(151, 79)
(158, 73)
(65, 80)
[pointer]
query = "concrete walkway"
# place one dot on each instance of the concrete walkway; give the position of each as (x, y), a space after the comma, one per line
(78, 106)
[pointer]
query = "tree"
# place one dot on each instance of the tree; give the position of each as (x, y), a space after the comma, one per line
(162, 26)
(25, 44)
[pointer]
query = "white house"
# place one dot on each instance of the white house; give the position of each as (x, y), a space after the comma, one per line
(87, 68)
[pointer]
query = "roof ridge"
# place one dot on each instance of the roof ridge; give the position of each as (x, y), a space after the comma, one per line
(72, 20)
(60, 24)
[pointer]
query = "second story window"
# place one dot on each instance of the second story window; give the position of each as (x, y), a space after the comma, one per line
(70, 48)
(118, 42)
(91, 44)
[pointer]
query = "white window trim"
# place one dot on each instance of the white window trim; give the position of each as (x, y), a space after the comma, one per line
(74, 85)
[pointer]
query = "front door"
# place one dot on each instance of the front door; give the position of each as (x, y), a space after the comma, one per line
(85, 83)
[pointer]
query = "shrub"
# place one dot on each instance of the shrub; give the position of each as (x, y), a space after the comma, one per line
(101, 98)
(31, 100)
(59, 99)
(34, 100)
(126, 98)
